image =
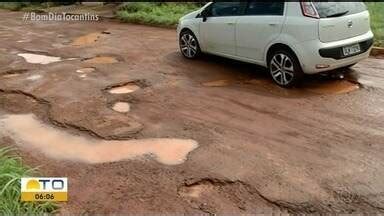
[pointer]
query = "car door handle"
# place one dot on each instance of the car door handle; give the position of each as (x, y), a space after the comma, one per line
(230, 23)
(272, 24)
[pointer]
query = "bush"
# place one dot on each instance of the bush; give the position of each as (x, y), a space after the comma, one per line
(376, 10)
(161, 14)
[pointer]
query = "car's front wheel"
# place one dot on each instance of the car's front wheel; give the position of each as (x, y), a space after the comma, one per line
(189, 46)
(285, 69)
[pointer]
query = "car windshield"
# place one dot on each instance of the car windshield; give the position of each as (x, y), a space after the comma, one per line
(335, 9)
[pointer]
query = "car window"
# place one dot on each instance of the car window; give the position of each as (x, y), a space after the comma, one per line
(226, 8)
(265, 8)
(333, 9)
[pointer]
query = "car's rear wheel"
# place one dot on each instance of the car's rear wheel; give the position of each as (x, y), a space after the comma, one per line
(285, 69)
(189, 46)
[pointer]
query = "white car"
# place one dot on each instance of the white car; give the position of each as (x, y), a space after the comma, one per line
(290, 38)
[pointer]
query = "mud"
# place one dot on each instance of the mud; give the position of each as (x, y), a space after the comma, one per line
(101, 60)
(39, 59)
(86, 70)
(333, 87)
(121, 107)
(58, 144)
(217, 83)
(86, 39)
(317, 148)
(16, 71)
(124, 89)
(34, 77)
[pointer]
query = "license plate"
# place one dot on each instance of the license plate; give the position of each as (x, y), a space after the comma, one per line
(350, 50)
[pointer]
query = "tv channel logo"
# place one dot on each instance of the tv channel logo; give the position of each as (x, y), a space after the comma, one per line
(44, 189)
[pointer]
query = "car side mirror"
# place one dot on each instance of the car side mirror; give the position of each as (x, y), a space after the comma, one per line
(204, 15)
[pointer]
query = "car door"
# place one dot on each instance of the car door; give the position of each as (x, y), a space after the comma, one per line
(260, 25)
(217, 32)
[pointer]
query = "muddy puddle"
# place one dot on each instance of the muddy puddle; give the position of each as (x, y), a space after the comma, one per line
(101, 60)
(124, 89)
(13, 73)
(332, 87)
(10, 75)
(326, 87)
(121, 107)
(86, 39)
(34, 77)
(31, 133)
(86, 70)
(194, 191)
(217, 83)
(39, 59)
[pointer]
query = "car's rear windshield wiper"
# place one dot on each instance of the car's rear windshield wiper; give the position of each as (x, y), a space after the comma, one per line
(338, 14)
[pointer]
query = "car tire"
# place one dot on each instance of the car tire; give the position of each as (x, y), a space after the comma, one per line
(285, 69)
(189, 46)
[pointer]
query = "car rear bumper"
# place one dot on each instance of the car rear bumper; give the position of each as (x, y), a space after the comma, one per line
(316, 56)
(337, 52)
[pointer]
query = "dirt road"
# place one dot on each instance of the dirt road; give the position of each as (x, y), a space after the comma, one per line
(236, 142)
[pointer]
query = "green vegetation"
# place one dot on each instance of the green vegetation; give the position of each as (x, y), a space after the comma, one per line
(27, 6)
(159, 14)
(11, 170)
(168, 14)
(376, 10)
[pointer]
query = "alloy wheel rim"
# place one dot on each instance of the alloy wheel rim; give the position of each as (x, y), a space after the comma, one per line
(188, 45)
(281, 68)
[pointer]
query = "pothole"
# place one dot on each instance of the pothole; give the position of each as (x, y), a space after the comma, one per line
(224, 196)
(123, 89)
(101, 60)
(121, 107)
(13, 73)
(317, 86)
(10, 75)
(86, 70)
(34, 77)
(195, 191)
(217, 83)
(332, 87)
(26, 130)
(86, 39)
(23, 41)
(39, 59)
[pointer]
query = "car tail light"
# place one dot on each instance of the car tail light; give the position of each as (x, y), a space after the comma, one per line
(309, 10)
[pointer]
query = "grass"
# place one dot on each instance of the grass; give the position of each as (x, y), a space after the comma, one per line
(376, 10)
(27, 6)
(11, 170)
(159, 14)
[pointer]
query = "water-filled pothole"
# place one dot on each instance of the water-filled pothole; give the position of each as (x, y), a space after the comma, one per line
(317, 86)
(332, 87)
(86, 70)
(86, 39)
(34, 77)
(39, 59)
(101, 60)
(121, 107)
(13, 73)
(26, 130)
(124, 89)
(195, 191)
(217, 83)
